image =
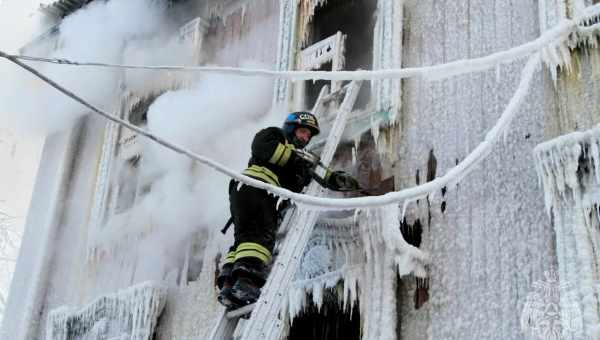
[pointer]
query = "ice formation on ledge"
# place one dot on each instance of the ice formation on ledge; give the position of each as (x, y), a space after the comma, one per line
(584, 31)
(359, 258)
(569, 168)
(307, 12)
(131, 313)
(588, 28)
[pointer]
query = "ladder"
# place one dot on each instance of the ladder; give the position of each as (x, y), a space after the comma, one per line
(265, 322)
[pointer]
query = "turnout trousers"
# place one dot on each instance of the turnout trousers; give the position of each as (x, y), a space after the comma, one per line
(255, 218)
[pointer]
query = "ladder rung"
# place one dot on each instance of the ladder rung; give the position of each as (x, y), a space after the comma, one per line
(335, 95)
(236, 313)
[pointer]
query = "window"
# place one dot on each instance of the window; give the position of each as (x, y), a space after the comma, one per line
(193, 33)
(127, 184)
(355, 20)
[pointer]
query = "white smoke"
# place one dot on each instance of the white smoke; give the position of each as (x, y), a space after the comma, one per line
(116, 31)
(216, 117)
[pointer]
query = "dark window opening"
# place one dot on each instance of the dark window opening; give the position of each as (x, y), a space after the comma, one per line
(412, 233)
(313, 88)
(196, 256)
(128, 179)
(355, 19)
(329, 323)
(138, 115)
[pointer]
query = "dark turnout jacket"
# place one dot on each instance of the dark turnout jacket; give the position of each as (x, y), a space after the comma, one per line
(253, 210)
(274, 161)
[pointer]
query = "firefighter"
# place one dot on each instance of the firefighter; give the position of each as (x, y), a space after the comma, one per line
(254, 211)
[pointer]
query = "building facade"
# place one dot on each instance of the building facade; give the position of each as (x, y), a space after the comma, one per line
(457, 263)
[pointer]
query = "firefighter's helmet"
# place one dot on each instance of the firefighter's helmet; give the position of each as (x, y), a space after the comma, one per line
(301, 119)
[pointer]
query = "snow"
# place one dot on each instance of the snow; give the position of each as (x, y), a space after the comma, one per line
(129, 313)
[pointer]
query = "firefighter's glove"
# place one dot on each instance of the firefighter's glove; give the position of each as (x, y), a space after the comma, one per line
(303, 170)
(341, 181)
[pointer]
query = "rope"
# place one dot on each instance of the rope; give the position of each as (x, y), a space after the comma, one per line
(454, 174)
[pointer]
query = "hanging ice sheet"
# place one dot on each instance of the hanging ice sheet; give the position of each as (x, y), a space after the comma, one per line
(569, 168)
(359, 256)
(128, 314)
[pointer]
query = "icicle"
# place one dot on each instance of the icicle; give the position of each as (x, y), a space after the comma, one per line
(243, 13)
(317, 293)
(570, 197)
(595, 158)
(375, 131)
(498, 72)
(353, 156)
(431, 196)
(355, 215)
(140, 304)
(404, 206)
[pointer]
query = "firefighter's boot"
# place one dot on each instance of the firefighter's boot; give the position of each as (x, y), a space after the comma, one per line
(249, 277)
(225, 283)
(245, 291)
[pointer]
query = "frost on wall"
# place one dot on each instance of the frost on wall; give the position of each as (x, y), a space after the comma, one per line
(359, 256)
(131, 313)
(387, 54)
(569, 168)
(287, 20)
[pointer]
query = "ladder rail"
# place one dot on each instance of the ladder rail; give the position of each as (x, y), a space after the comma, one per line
(224, 328)
(227, 321)
(265, 322)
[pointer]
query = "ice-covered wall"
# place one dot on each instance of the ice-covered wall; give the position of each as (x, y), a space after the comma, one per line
(66, 281)
(243, 31)
(489, 238)
(28, 288)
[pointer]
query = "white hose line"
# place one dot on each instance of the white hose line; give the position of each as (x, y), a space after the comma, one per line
(313, 202)
(550, 38)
